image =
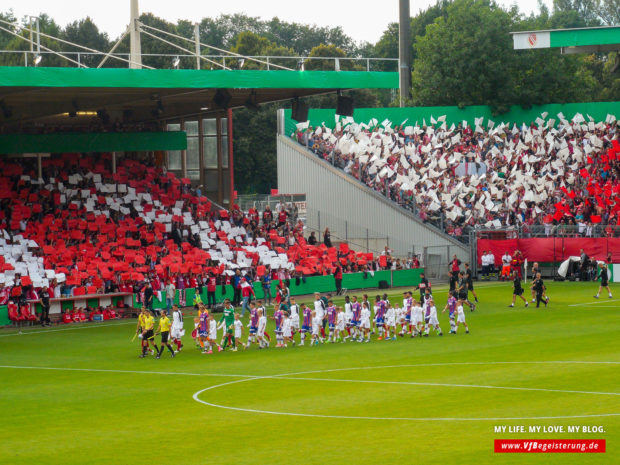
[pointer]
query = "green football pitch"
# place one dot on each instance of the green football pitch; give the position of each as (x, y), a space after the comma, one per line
(80, 394)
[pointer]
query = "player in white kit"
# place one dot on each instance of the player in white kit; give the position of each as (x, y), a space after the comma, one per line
(417, 318)
(294, 316)
(319, 309)
(260, 333)
(364, 323)
(431, 315)
(348, 316)
(316, 324)
(460, 319)
(177, 331)
(339, 324)
(287, 332)
(390, 322)
(238, 328)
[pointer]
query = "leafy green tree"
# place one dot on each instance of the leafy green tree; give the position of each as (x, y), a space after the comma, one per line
(254, 141)
(251, 44)
(327, 51)
(85, 32)
(610, 12)
(578, 13)
(461, 60)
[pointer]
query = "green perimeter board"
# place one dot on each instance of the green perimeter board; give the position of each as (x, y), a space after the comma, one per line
(93, 142)
(456, 115)
(4, 315)
(312, 284)
(14, 76)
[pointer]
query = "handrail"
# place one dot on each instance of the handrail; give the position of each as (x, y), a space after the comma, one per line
(269, 60)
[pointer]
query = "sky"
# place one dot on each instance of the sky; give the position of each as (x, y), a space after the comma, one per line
(363, 20)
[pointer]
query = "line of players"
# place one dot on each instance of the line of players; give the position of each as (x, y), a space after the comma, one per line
(327, 323)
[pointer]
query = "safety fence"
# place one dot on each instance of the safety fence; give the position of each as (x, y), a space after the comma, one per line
(305, 286)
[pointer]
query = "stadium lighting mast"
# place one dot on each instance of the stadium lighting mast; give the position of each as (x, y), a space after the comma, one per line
(135, 47)
(404, 52)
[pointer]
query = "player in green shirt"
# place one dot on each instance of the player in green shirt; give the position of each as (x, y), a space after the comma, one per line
(228, 317)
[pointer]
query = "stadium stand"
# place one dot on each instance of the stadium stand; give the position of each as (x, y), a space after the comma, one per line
(83, 230)
(494, 177)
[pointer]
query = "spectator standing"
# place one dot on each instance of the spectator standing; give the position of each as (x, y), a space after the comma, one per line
(246, 292)
(148, 296)
(312, 239)
(267, 287)
(170, 294)
(338, 279)
(211, 288)
(237, 288)
(455, 265)
(44, 300)
(327, 238)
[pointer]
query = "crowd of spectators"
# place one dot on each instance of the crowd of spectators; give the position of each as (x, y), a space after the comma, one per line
(484, 176)
(83, 230)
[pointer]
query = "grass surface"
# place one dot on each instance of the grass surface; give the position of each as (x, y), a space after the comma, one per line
(98, 403)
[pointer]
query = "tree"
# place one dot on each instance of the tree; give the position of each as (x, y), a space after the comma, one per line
(461, 60)
(578, 13)
(254, 142)
(85, 32)
(151, 46)
(327, 51)
(251, 44)
(609, 12)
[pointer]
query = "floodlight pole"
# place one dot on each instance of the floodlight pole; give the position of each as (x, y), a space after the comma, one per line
(404, 53)
(197, 39)
(135, 47)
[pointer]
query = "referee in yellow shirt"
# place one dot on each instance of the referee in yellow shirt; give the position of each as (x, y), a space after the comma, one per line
(148, 322)
(164, 330)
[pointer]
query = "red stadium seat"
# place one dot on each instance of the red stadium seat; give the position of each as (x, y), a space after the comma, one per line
(14, 315)
(27, 314)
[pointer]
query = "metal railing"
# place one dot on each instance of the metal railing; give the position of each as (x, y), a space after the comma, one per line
(549, 230)
(260, 201)
(188, 61)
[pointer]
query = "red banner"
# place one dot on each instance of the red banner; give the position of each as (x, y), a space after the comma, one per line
(552, 249)
(545, 446)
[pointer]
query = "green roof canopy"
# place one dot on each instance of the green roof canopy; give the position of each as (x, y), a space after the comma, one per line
(194, 79)
(39, 95)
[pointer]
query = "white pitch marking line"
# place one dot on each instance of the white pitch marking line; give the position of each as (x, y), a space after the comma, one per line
(289, 376)
(91, 325)
(608, 306)
(594, 303)
(479, 386)
(232, 375)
